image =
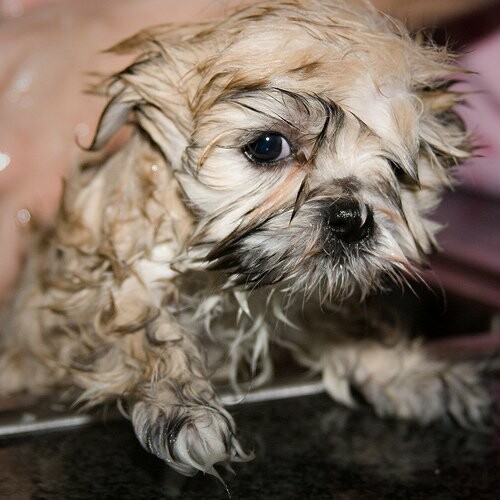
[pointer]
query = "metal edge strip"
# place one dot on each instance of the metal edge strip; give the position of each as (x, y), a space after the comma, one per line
(28, 422)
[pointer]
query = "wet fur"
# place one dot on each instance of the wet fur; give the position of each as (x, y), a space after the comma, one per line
(176, 261)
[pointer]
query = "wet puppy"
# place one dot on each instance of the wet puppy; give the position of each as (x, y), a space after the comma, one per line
(280, 169)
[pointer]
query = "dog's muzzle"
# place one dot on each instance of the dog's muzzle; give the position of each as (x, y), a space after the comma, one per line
(347, 221)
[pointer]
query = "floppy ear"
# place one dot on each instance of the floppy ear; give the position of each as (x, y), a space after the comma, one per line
(153, 93)
(444, 141)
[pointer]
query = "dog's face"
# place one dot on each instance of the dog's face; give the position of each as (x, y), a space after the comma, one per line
(310, 140)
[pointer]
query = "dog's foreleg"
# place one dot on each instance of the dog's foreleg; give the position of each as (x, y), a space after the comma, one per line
(159, 372)
(402, 380)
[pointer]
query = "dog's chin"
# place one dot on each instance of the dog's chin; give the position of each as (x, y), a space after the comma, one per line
(317, 263)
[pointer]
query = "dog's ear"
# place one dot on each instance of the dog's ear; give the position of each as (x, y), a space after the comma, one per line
(444, 140)
(153, 93)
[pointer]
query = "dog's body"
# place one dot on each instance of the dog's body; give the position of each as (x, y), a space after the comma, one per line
(280, 168)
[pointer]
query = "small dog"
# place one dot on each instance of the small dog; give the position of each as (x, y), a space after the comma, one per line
(279, 172)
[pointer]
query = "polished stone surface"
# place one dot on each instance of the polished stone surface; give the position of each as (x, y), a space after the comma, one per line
(306, 448)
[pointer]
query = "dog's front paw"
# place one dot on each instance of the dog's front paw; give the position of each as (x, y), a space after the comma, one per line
(189, 438)
(453, 392)
(404, 382)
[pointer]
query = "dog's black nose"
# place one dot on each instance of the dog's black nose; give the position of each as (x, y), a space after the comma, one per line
(348, 221)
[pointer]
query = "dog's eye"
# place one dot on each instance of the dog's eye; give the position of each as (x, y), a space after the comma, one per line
(400, 174)
(269, 147)
(397, 170)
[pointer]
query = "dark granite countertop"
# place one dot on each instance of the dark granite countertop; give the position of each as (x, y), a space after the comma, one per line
(306, 448)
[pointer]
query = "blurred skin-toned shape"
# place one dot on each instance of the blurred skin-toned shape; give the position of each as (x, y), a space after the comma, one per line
(49, 50)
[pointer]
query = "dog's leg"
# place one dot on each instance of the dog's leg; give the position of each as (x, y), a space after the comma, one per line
(157, 370)
(402, 380)
(138, 354)
(175, 412)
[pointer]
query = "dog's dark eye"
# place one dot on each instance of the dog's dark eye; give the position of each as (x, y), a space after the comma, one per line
(400, 174)
(397, 170)
(269, 147)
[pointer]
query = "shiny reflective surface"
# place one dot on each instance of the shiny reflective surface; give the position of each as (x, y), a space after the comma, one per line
(305, 447)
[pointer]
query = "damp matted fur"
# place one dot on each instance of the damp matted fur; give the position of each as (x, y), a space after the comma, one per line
(280, 170)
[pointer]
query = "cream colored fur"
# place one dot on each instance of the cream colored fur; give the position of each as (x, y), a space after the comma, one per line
(176, 260)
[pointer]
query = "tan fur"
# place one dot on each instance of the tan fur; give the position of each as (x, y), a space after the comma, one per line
(132, 293)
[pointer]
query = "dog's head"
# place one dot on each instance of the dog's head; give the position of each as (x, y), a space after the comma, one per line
(310, 140)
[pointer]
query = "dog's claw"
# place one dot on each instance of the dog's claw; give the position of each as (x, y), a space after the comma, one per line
(188, 438)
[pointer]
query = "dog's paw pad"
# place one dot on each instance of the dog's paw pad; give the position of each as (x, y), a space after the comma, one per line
(188, 438)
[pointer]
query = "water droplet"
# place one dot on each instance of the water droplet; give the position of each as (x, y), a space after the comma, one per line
(155, 167)
(23, 216)
(20, 86)
(23, 83)
(4, 161)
